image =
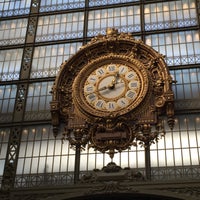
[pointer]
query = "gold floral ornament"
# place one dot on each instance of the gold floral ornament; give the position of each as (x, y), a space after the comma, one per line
(113, 93)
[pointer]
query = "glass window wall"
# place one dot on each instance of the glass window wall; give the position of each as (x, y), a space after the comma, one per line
(172, 14)
(125, 19)
(13, 31)
(37, 103)
(14, 8)
(7, 102)
(47, 59)
(60, 27)
(170, 27)
(180, 48)
(10, 62)
(52, 5)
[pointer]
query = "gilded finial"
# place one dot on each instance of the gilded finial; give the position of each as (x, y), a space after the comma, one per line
(111, 31)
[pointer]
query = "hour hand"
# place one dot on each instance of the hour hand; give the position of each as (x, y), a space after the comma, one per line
(110, 86)
(103, 88)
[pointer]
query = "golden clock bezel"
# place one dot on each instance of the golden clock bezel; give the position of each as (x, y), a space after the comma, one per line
(78, 85)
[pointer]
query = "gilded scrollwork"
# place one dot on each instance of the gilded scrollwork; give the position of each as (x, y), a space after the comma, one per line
(155, 95)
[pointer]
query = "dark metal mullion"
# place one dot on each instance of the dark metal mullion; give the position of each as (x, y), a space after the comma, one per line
(18, 115)
(147, 145)
(142, 20)
(77, 164)
(85, 28)
(11, 160)
(78, 147)
(198, 12)
(196, 136)
(147, 161)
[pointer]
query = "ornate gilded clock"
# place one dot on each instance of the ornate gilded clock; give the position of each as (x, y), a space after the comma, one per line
(110, 86)
(112, 93)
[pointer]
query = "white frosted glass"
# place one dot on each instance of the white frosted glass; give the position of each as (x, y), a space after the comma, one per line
(20, 165)
(34, 165)
(141, 159)
(63, 163)
(71, 163)
(186, 156)
(56, 163)
(2, 164)
(42, 167)
(27, 165)
(178, 157)
(170, 157)
(49, 165)
(168, 140)
(51, 145)
(162, 158)
(195, 155)
(43, 151)
(154, 158)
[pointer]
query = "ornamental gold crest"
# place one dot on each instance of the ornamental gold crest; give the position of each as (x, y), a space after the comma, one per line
(112, 94)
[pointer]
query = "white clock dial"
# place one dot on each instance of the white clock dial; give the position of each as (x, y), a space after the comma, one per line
(112, 87)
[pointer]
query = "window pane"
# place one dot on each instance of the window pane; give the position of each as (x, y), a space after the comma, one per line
(47, 30)
(14, 8)
(168, 15)
(47, 59)
(52, 5)
(10, 62)
(125, 19)
(175, 47)
(13, 31)
(7, 102)
(37, 105)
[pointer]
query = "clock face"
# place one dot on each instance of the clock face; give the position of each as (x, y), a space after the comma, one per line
(112, 87)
